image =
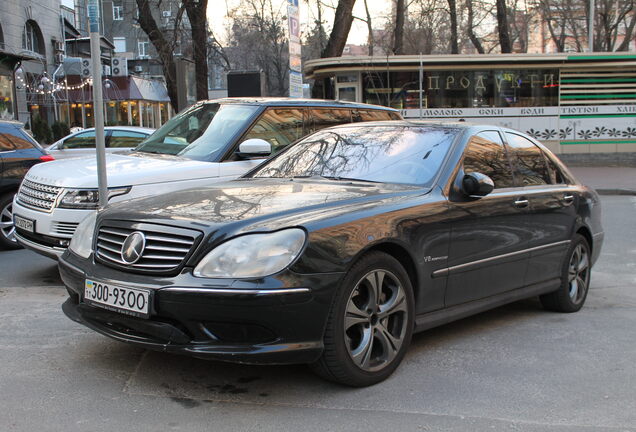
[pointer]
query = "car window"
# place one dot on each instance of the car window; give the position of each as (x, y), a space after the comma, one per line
(362, 115)
(279, 127)
(201, 132)
(325, 117)
(556, 176)
(387, 154)
(80, 141)
(528, 161)
(486, 154)
(120, 139)
(12, 138)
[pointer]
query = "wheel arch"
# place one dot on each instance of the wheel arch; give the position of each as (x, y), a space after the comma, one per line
(585, 232)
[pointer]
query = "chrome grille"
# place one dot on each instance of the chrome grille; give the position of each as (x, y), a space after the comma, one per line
(166, 248)
(64, 228)
(38, 196)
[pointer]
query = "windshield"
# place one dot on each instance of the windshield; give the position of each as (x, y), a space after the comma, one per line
(201, 132)
(387, 154)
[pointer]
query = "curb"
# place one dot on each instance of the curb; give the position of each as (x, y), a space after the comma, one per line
(616, 191)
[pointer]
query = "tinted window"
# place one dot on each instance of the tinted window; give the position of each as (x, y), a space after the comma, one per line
(325, 117)
(125, 139)
(12, 138)
(81, 141)
(485, 153)
(279, 127)
(373, 115)
(528, 160)
(556, 176)
(389, 154)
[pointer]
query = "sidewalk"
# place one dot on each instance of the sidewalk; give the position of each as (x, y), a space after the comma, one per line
(608, 180)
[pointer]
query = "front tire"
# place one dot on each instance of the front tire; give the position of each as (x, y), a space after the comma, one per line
(370, 323)
(7, 230)
(575, 279)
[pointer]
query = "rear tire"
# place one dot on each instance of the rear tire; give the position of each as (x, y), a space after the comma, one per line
(370, 324)
(575, 279)
(7, 231)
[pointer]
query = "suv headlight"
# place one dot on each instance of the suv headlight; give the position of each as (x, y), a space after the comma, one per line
(252, 255)
(87, 198)
(82, 241)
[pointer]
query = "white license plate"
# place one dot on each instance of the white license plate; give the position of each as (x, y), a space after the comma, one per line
(129, 301)
(24, 223)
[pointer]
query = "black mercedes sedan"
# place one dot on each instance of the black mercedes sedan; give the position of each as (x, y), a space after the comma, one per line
(336, 250)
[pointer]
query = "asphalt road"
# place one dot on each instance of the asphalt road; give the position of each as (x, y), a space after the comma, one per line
(514, 368)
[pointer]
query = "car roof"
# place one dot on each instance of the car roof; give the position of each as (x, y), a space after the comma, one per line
(437, 123)
(126, 128)
(282, 101)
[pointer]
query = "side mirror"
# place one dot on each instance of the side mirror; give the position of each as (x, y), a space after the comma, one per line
(477, 185)
(255, 147)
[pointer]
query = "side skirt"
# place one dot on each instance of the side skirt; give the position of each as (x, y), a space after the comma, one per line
(443, 316)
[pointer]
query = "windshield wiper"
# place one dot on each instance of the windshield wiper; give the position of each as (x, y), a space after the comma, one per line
(338, 178)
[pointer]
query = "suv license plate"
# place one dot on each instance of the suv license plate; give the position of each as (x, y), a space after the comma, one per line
(129, 301)
(24, 223)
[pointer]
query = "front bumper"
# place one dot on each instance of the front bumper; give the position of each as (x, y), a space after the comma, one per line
(271, 321)
(53, 230)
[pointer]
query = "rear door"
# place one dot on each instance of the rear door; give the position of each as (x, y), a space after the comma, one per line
(19, 153)
(552, 207)
(489, 235)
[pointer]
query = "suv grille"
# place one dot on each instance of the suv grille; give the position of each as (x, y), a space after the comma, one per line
(166, 248)
(38, 196)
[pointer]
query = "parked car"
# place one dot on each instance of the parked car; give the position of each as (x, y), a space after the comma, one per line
(18, 152)
(82, 143)
(334, 251)
(209, 142)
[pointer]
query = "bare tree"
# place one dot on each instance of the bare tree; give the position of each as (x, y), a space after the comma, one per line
(197, 14)
(340, 30)
(452, 10)
(398, 32)
(502, 27)
(470, 28)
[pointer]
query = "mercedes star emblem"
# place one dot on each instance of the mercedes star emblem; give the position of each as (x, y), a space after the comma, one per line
(133, 247)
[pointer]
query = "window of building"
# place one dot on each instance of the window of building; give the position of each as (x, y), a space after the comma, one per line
(32, 39)
(142, 47)
(485, 154)
(120, 44)
(118, 12)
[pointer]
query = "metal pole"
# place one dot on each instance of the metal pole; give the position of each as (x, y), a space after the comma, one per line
(98, 101)
(421, 78)
(590, 29)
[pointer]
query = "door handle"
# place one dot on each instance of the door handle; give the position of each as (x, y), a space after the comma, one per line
(568, 199)
(521, 202)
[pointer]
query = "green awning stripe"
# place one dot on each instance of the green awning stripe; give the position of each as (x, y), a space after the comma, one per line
(599, 96)
(598, 116)
(596, 80)
(602, 57)
(581, 142)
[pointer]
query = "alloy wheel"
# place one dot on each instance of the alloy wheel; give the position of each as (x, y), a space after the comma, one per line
(6, 223)
(375, 322)
(578, 273)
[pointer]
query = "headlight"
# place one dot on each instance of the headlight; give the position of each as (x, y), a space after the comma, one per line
(252, 255)
(82, 241)
(87, 198)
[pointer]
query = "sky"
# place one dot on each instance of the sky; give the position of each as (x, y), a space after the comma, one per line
(358, 35)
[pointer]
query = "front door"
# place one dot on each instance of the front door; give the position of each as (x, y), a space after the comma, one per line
(489, 235)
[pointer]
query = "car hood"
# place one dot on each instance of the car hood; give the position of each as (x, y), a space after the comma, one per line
(259, 204)
(122, 170)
